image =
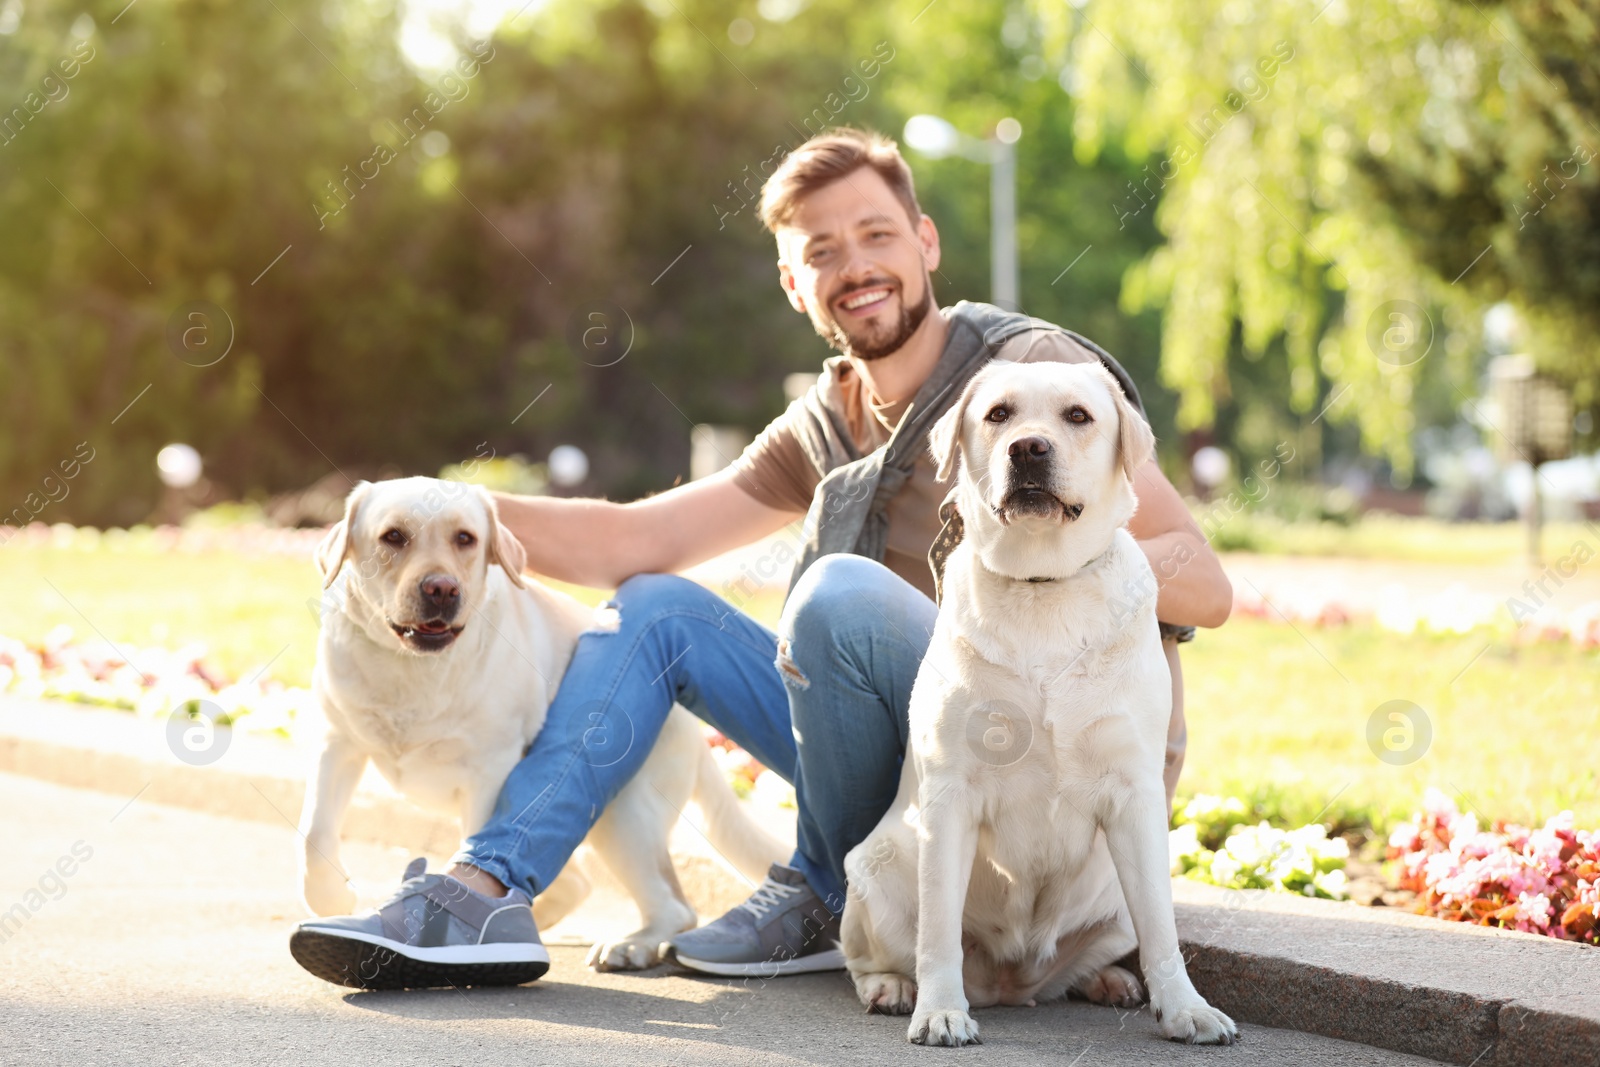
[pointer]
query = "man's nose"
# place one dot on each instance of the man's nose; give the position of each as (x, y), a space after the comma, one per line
(1024, 449)
(440, 591)
(857, 265)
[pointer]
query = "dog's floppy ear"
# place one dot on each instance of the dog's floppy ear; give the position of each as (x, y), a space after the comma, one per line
(1136, 442)
(504, 548)
(944, 440)
(335, 547)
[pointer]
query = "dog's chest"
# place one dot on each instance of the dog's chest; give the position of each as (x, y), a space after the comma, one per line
(432, 757)
(428, 734)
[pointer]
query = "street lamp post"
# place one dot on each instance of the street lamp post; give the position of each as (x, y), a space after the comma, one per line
(936, 138)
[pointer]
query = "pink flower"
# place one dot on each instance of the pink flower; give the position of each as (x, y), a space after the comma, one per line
(1439, 806)
(1534, 910)
(1406, 837)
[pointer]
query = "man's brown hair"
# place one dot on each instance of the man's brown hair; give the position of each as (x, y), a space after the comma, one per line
(825, 159)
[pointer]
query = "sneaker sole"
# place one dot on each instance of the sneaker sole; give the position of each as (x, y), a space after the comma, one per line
(830, 960)
(382, 964)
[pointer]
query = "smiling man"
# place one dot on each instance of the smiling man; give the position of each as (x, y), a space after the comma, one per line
(823, 700)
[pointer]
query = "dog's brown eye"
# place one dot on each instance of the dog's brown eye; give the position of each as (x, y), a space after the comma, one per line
(998, 413)
(465, 539)
(1077, 414)
(393, 537)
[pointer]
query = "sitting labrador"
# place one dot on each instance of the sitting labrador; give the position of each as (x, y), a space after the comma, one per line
(1026, 851)
(437, 661)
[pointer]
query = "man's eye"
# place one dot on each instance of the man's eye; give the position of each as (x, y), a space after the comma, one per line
(393, 537)
(1077, 414)
(465, 539)
(998, 413)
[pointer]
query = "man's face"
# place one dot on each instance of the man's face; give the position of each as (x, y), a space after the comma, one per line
(854, 260)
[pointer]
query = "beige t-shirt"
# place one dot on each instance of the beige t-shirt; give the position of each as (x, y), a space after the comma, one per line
(775, 471)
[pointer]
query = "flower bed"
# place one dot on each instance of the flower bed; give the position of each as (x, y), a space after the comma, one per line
(147, 681)
(1211, 842)
(1544, 881)
(245, 538)
(156, 681)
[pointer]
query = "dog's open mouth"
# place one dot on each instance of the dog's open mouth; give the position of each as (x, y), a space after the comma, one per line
(1029, 501)
(428, 636)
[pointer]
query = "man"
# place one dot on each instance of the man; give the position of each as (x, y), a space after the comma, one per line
(823, 701)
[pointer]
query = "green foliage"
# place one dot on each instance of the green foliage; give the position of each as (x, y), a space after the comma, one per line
(1312, 169)
(1305, 860)
(504, 474)
(591, 158)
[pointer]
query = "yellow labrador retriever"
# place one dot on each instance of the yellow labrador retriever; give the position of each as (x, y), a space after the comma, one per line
(1026, 851)
(437, 661)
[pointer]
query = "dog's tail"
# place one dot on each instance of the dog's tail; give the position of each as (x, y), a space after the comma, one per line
(730, 829)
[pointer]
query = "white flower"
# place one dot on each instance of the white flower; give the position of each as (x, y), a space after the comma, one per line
(1183, 847)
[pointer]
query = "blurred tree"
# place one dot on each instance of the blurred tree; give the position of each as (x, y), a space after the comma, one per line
(410, 256)
(977, 64)
(1341, 185)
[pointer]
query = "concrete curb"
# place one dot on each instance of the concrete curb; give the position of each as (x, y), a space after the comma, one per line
(1462, 994)
(1459, 994)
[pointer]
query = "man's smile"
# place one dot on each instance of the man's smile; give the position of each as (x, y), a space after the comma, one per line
(866, 301)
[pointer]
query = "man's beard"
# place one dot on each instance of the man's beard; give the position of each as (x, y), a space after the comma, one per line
(891, 341)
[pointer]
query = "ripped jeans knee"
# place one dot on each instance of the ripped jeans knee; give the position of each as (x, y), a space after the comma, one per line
(793, 676)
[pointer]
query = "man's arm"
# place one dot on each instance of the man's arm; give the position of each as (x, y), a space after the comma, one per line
(1192, 588)
(599, 543)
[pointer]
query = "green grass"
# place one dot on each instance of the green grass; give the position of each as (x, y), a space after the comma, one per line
(1380, 536)
(1276, 715)
(1280, 715)
(248, 611)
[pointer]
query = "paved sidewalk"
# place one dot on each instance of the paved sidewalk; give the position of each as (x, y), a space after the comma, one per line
(168, 945)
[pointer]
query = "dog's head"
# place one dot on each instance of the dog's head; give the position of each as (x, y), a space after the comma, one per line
(1047, 455)
(419, 552)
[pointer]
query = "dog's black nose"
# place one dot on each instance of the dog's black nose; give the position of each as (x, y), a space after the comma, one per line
(1025, 448)
(440, 590)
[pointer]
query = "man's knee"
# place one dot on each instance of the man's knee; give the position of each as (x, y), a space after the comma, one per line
(840, 606)
(832, 588)
(647, 594)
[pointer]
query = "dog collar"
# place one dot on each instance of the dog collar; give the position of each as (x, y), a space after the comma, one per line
(1087, 564)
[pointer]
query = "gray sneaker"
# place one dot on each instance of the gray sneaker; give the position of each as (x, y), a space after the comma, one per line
(434, 932)
(784, 928)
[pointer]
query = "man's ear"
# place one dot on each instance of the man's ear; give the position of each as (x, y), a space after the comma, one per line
(504, 548)
(1136, 442)
(333, 549)
(944, 440)
(790, 289)
(928, 238)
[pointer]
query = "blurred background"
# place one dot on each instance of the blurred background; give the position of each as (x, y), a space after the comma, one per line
(371, 233)
(1349, 249)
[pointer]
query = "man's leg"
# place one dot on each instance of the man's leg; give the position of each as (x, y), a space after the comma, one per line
(850, 643)
(675, 641)
(852, 636)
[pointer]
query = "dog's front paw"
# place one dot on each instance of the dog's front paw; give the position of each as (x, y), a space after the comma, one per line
(887, 994)
(624, 955)
(951, 1028)
(1198, 1024)
(1114, 987)
(328, 894)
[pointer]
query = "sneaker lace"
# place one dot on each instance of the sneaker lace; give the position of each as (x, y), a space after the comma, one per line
(771, 894)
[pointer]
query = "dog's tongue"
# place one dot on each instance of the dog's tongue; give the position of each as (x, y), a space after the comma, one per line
(437, 626)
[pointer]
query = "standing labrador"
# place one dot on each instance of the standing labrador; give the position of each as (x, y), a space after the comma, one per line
(1026, 851)
(437, 661)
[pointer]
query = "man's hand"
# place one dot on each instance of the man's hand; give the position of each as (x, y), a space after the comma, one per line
(1193, 590)
(598, 543)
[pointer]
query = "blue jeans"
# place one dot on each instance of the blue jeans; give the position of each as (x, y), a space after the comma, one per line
(822, 702)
